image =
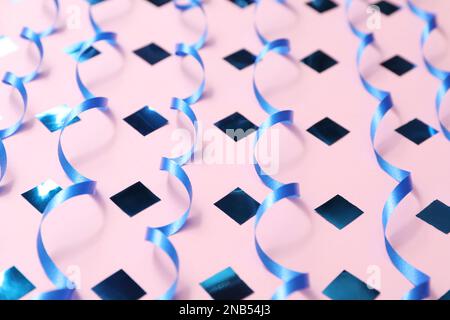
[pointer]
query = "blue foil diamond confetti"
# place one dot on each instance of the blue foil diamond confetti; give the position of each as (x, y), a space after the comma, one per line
(319, 61)
(13, 284)
(348, 287)
(328, 131)
(74, 51)
(240, 59)
(226, 285)
(236, 126)
(146, 120)
(416, 131)
(40, 195)
(93, 2)
(119, 286)
(322, 6)
(159, 3)
(437, 214)
(446, 296)
(339, 212)
(242, 3)
(387, 8)
(398, 65)
(238, 205)
(134, 199)
(53, 119)
(152, 53)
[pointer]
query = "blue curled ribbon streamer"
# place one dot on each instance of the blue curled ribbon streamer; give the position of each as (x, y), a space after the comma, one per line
(82, 185)
(96, 27)
(292, 280)
(18, 83)
(418, 279)
(442, 75)
(159, 236)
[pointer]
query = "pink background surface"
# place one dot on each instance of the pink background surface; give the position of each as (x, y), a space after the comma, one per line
(97, 236)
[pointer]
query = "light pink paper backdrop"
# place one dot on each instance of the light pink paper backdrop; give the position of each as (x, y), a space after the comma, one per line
(99, 238)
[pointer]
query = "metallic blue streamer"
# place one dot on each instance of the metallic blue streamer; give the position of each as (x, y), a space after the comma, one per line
(444, 76)
(18, 83)
(159, 236)
(81, 184)
(292, 280)
(96, 27)
(420, 280)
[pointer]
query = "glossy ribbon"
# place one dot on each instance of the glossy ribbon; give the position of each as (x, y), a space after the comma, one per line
(96, 27)
(292, 280)
(419, 280)
(444, 76)
(81, 184)
(18, 83)
(159, 236)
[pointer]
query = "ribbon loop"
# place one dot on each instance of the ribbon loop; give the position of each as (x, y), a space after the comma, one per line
(292, 280)
(160, 235)
(419, 280)
(443, 75)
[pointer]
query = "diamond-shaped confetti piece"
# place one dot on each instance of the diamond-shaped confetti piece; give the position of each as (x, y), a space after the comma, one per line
(93, 2)
(159, 3)
(40, 195)
(240, 59)
(119, 286)
(134, 199)
(226, 285)
(339, 212)
(152, 53)
(238, 205)
(242, 3)
(146, 120)
(74, 51)
(328, 131)
(348, 287)
(319, 61)
(7, 46)
(416, 131)
(386, 7)
(446, 296)
(53, 119)
(13, 284)
(398, 65)
(236, 126)
(322, 5)
(438, 215)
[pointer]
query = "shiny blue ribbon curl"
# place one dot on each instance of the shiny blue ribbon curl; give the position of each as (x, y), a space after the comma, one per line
(81, 185)
(96, 27)
(159, 236)
(109, 37)
(18, 83)
(418, 279)
(444, 76)
(35, 38)
(292, 280)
